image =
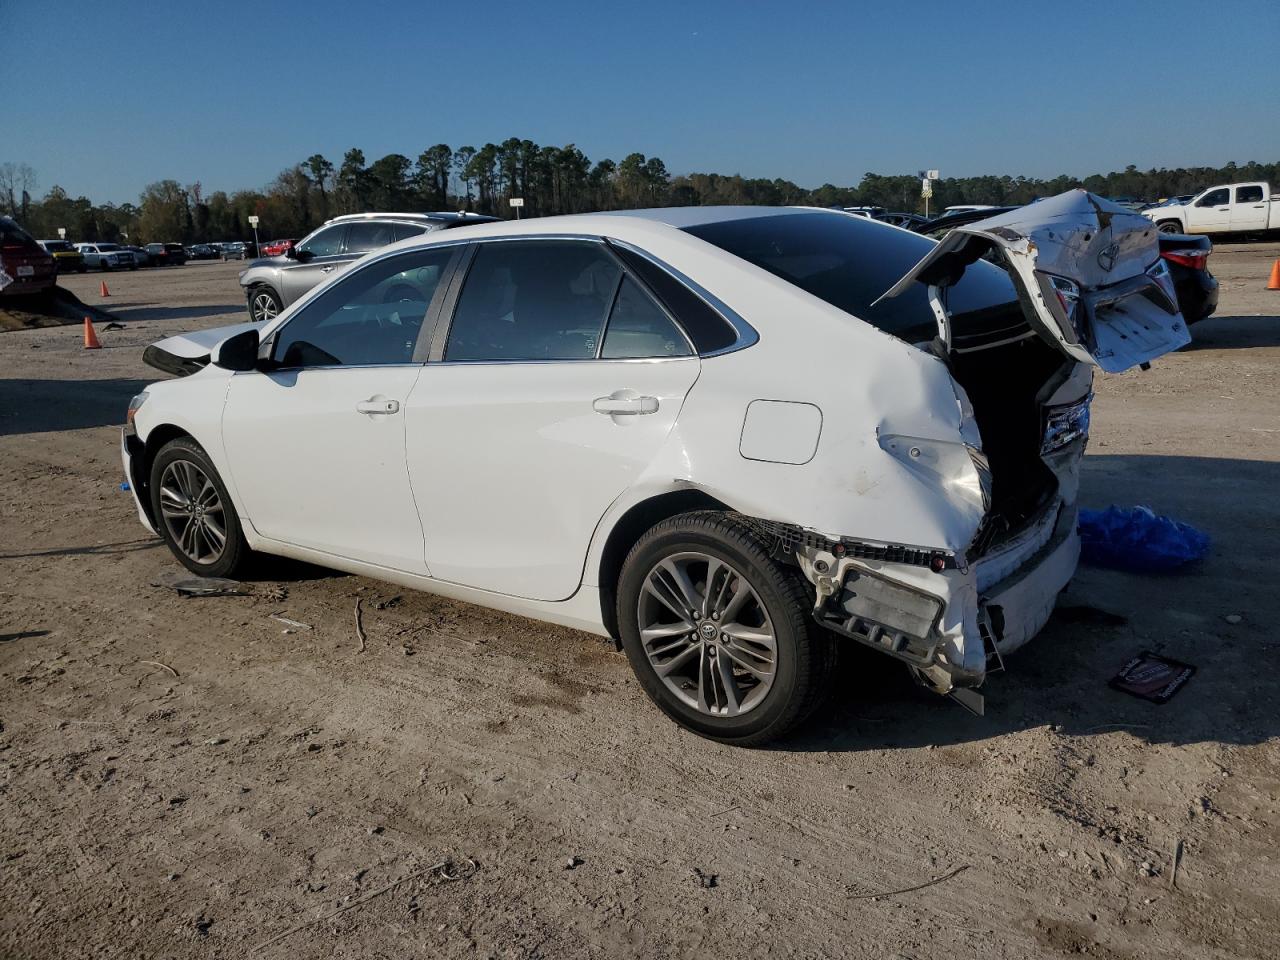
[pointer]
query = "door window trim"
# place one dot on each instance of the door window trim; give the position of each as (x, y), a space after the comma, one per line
(430, 319)
(746, 334)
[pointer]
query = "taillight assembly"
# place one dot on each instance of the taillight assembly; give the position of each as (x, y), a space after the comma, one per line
(1193, 258)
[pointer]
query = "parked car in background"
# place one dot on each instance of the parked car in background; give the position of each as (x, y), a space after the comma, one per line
(873, 212)
(899, 219)
(65, 255)
(271, 285)
(158, 254)
(1186, 257)
(106, 256)
(140, 256)
(25, 266)
(1228, 208)
(202, 251)
(232, 250)
(177, 254)
(837, 432)
(277, 248)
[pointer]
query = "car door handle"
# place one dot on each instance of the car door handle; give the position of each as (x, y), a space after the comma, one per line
(378, 407)
(625, 406)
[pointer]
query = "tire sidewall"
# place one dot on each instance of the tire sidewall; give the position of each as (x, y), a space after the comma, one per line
(789, 634)
(236, 548)
(253, 296)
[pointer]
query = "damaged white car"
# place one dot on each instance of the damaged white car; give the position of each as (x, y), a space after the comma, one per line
(732, 438)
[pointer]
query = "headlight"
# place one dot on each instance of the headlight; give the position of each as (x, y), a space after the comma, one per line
(134, 405)
(1065, 424)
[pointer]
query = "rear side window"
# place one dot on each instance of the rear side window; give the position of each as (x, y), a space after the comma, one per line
(369, 235)
(534, 300)
(1249, 194)
(707, 329)
(850, 261)
(406, 230)
(638, 328)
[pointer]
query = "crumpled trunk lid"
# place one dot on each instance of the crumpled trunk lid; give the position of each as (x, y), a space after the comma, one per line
(1088, 274)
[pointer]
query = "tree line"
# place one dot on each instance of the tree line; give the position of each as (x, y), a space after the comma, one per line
(551, 180)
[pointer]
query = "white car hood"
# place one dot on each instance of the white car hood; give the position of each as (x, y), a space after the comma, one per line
(1128, 312)
(196, 344)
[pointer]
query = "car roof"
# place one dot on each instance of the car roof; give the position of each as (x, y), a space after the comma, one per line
(444, 215)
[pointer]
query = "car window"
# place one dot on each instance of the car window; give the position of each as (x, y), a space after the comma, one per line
(326, 243)
(850, 261)
(372, 315)
(406, 230)
(534, 300)
(1249, 194)
(638, 327)
(1216, 198)
(707, 329)
(368, 235)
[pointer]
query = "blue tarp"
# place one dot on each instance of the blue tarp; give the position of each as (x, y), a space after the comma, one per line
(1139, 540)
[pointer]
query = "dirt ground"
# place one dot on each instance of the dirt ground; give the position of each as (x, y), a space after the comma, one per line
(192, 778)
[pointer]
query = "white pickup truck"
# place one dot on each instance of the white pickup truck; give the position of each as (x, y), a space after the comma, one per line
(1228, 208)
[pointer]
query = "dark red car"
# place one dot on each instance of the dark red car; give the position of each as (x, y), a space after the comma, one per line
(277, 248)
(25, 266)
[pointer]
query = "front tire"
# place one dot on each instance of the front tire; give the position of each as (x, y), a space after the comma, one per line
(193, 512)
(1169, 226)
(718, 632)
(264, 304)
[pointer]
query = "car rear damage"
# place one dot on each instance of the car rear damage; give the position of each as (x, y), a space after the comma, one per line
(1093, 292)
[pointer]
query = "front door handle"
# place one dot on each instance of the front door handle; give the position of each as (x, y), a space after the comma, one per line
(625, 406)
(376, 407)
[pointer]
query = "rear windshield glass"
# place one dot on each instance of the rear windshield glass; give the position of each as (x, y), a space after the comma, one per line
(850, 261)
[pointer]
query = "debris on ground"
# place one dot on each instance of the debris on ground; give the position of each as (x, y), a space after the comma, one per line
(360, 627)
(187, 586)
(573, 863)
(1233, 618)
(287, 621)
(1138, 540)
(1150, 676)
(114, 326)
(706, 880)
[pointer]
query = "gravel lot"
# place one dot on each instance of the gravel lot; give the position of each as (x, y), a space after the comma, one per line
(192, 778)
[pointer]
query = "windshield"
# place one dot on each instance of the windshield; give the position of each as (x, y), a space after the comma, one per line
(850, 261)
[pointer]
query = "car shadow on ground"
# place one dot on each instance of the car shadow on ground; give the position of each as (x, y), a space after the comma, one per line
(40, 406)
(136, 313)
(1060, 678)
(1227, 333)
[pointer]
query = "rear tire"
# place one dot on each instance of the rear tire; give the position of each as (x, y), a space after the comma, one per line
(741, 662)
(194, 513)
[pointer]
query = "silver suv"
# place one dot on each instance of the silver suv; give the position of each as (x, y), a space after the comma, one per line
(274, 283)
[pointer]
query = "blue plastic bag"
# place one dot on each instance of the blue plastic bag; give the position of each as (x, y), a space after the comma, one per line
(1138, 540)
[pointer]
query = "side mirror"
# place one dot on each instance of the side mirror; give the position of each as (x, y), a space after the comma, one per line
(239, 353)
(302, 256)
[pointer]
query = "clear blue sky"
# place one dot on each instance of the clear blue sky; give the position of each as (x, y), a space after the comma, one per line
(103, 98)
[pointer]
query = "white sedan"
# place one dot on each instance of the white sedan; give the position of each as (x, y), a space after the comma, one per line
(732, 438)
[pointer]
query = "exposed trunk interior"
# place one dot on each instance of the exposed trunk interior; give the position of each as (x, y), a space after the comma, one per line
(1005, 384)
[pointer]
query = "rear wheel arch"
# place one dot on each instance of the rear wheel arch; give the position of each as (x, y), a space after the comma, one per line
(628, 530)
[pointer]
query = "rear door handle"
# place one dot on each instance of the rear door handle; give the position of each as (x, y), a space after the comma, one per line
(625, 406)
(378, 407)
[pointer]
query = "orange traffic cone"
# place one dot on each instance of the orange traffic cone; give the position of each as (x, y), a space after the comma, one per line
(105, 291)
(1274, 283)
(90, 336)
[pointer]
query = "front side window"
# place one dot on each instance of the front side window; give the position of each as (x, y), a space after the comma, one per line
(1249, 194)
(372, 316)
(534, 300)
(368, 235)
(1216, 198)
(326, 243)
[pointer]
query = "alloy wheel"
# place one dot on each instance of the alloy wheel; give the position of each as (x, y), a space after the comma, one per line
(193, 512)
(707, 634)
(264, 306)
